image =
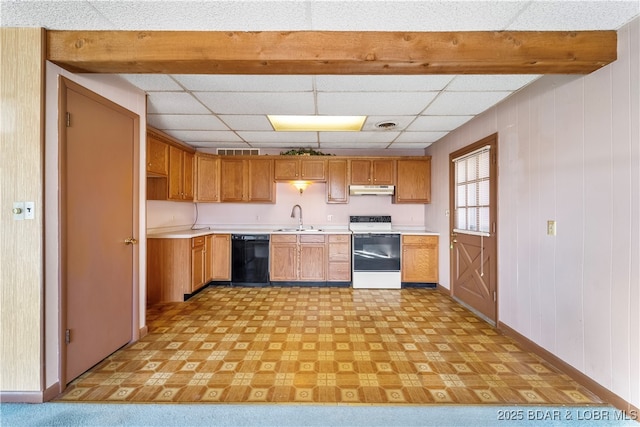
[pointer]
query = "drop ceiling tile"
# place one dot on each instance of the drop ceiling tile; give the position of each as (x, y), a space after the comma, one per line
(413, 15)
(438, 123)
(285, 146)
(410, 145)
(245, 83)
(374, 103)
(174, 103)
(186, 122)
(419, 137)
(205, 15)
(359, 137)
(258, 103)
(353, 145)
(247, 122)
(479, 83)
(279, 137)
(464, 103)
(152, 82)
(204, 135)
(367, 83)
(58, 15)
(574, 15)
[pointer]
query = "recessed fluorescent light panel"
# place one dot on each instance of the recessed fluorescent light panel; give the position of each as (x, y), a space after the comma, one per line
(317, 123)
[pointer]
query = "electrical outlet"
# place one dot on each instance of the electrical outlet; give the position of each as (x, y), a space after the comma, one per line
(551, 228)
(329, 218)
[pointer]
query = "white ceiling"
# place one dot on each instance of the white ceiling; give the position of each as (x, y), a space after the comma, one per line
(229, 111)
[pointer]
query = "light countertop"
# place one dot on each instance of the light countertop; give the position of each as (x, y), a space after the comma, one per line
(187, 233)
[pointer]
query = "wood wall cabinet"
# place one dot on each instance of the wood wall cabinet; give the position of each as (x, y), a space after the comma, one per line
(372, 171)
(207, 178)
(297, 258)
(169, 168)
(292, 169)
(413, 181)
(180, 174)
(247, 180)
(157, 156)
(339, 258)
(337, 181)
(419, 258)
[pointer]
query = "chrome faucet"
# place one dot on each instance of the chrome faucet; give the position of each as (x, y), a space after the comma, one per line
(293, 215)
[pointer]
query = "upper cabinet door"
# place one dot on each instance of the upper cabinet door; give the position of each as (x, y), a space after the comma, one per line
(260, 181)
(207, 178)
(232, 189)
(157, 157)
(287, 169)
(337, 182)
(372, 172)
(413, 181)
(312, 169)
(382, 172)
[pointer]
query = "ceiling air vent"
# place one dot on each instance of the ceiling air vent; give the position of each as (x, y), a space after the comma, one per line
(388, 125)
(238, 151)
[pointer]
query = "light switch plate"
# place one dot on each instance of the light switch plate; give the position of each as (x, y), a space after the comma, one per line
(29, 210)
(551, 228)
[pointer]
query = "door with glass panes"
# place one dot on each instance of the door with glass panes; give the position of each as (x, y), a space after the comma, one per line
(473, 202)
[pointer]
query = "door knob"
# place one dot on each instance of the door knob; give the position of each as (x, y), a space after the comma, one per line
(130, 241)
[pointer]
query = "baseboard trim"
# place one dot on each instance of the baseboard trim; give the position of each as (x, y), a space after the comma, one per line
(52, 392)
(143, 331)
(21, 397)
(443, 289)
(579, 377)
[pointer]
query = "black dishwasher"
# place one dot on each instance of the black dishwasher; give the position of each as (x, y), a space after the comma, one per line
(249, 259)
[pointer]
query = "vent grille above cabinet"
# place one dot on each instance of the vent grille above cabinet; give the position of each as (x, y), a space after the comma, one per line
(238, 151)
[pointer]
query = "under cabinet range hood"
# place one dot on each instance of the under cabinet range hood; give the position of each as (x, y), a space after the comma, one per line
(371, 190)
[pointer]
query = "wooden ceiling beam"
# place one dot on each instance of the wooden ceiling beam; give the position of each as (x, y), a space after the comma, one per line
(330, 52)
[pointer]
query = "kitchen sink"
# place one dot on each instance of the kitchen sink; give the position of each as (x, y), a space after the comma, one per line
(298, 230)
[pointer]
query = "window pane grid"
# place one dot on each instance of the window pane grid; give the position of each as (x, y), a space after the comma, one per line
(472, 192)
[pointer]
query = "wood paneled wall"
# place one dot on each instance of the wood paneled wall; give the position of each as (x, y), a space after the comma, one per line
(569, 150)
(21, 242)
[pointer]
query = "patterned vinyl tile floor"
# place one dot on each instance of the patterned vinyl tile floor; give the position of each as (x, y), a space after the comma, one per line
(323, 345)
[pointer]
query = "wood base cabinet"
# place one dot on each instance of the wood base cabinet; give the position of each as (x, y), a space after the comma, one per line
(179, 267)
(297, 258)
(419, 258)
(339, 258)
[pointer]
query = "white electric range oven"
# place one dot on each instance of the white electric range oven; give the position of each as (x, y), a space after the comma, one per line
(376, 253)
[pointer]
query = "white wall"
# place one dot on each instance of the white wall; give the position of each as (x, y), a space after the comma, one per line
(313, 202)
(122, 93)
(569, 150)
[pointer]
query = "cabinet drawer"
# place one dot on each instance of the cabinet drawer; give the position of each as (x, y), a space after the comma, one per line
(305, 238)
(339, 238)
(284, 238)
(408, 239)
(197, 241)
(339, 272)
